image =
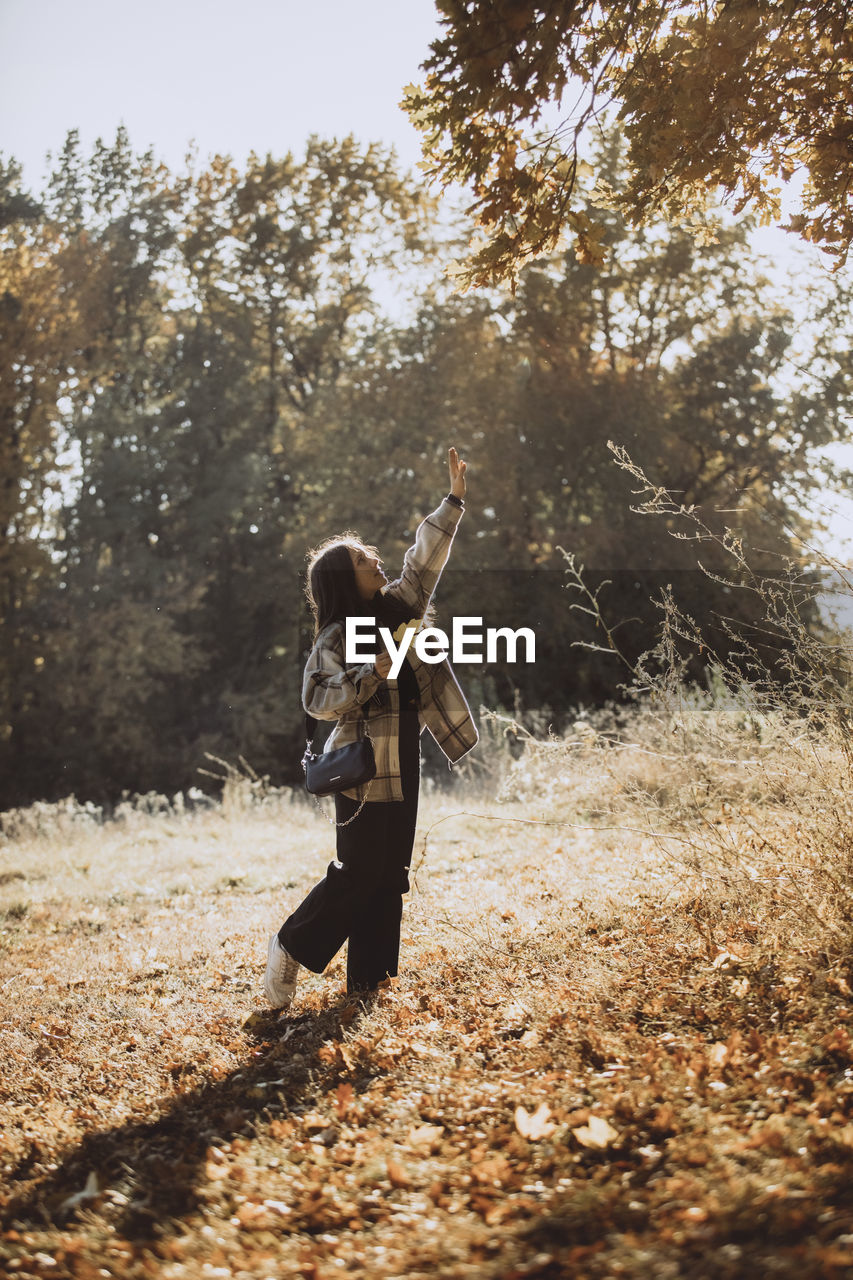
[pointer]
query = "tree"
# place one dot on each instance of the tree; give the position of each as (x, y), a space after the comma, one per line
(682, 352)
(713, 96)
(211, 354)
(185, 338)
(286, 262)
(37, 329)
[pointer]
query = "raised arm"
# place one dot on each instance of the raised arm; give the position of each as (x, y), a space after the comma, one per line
(425, 559)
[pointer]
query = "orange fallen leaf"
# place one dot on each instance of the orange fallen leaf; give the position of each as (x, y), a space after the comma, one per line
(343, 1098)
(397, 1175)
(314, 1121)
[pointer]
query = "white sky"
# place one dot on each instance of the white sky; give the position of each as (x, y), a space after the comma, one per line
(255, 74)
(231, 77)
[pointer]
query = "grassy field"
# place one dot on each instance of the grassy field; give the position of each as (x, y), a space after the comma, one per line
(619, 1045)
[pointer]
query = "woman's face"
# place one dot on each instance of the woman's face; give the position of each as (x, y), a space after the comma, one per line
(369, 577)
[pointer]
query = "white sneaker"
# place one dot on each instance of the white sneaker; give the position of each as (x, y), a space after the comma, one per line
(280, 977)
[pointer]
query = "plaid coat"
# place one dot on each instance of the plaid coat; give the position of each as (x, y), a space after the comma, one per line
(331, 690)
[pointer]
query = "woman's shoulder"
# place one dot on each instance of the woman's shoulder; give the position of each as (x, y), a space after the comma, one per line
(330, 637)
(327, 649)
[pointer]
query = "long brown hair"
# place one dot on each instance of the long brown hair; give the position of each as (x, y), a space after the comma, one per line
(331, 587)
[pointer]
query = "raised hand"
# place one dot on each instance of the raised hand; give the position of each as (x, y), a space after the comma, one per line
(457, 473)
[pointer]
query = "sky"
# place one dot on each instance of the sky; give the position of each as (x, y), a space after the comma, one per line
(229, 78)
(233, 77)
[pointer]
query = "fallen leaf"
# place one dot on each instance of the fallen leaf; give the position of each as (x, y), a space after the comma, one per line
(397, 1175)
(426, 1136)
(259, 1215)
(598, 1133)
(843, 1136)
(725, 960)
(278, 1207)
(719, 1054)
(281, 1129)
(255, 1020)
(314, 1121)
(343, 1098)
(534, 1125)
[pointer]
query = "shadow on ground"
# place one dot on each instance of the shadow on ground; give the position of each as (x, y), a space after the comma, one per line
(149, 1172)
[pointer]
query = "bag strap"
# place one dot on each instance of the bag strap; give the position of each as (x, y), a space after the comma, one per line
(348, 820)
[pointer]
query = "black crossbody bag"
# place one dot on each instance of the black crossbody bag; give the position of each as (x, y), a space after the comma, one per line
(347, 767)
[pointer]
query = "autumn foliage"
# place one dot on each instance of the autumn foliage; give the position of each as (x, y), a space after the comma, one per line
(729, 98)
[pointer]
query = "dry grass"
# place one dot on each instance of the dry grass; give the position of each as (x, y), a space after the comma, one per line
(752, 801)
(600, 1058)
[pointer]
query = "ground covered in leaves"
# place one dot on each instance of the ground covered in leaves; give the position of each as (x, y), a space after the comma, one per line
(586, 1068)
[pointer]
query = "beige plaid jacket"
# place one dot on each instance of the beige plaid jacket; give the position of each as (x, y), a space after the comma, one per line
(331, 690)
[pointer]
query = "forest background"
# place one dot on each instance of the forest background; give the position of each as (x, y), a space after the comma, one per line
(206, 372)
(207, 369)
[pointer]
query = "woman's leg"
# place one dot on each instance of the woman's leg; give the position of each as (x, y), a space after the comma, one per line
(374, 942)
(321, 924)
(360, 896)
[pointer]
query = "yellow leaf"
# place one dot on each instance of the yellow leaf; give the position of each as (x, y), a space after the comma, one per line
(412, 625)
(255, 1020)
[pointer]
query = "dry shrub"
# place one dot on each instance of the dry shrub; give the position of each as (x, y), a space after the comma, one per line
(36, 820)
(747, 783)
(243, 790)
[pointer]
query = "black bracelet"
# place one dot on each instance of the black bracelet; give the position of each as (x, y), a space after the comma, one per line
(457, 502)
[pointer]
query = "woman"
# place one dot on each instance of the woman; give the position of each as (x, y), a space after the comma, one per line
(360, 898)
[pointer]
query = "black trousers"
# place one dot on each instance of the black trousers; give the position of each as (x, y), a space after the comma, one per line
(360, 898)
